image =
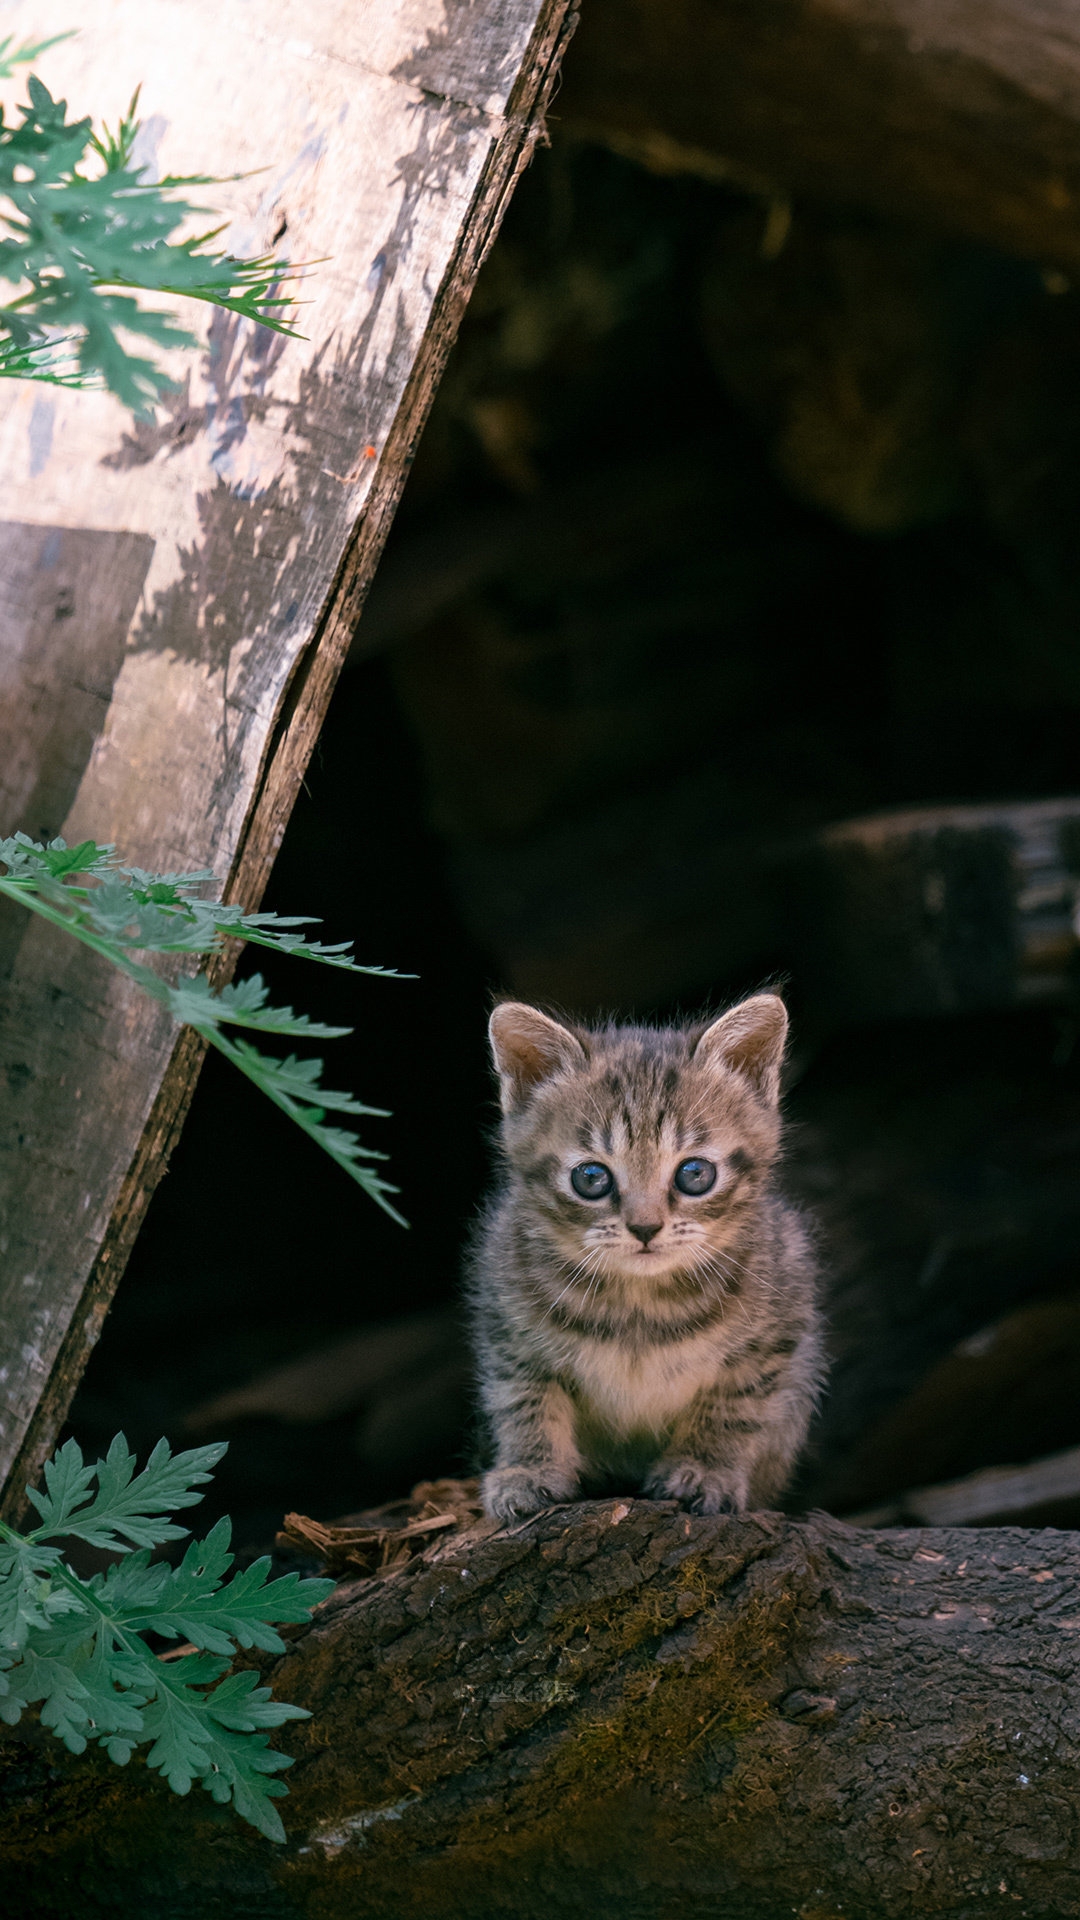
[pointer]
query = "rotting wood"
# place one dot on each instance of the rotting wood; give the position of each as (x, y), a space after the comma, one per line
(941, 909)
(252, 513)
(953, 113)
(620, 1708)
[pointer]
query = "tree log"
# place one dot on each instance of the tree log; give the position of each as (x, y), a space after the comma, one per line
(619, 1708)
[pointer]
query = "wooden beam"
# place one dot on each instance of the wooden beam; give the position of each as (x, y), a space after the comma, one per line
(180, 596)
(1042, 1492)
(963, 115)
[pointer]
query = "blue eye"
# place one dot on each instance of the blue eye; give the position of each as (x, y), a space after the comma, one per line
(592, 1180)
(695, 1176)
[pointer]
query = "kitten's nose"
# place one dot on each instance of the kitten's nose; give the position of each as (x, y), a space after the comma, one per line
(644, 1233)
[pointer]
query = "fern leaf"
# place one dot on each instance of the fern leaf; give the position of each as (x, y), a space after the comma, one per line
(125, 1510)
(243, 1005)
(29, 1601)
(190, 1602)
(129, 909)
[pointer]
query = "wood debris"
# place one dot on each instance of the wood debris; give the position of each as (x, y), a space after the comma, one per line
(383, 1538)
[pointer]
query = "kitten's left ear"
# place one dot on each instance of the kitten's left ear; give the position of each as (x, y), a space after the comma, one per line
(749, 1040)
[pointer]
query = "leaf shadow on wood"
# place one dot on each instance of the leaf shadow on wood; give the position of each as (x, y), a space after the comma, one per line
(257, 577)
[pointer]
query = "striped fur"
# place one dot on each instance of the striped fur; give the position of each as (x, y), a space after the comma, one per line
(688, 1364)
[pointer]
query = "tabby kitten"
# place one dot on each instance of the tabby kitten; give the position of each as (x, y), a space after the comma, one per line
(643, 1300)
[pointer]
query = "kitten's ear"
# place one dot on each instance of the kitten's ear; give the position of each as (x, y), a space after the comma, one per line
(527, 1048)
(749, 1040)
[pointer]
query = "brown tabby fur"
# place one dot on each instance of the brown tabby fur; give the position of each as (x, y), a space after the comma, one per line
(689, 1364)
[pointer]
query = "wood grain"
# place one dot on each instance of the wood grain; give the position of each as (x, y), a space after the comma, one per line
(389, 135)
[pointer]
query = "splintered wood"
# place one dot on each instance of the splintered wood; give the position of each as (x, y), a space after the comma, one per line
(386, 1537)
(176, 597)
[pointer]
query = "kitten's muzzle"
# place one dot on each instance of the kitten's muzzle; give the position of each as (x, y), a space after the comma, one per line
(644, 1232)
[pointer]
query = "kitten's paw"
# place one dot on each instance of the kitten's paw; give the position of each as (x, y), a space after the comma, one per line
(512, 1493)
(699, 1488)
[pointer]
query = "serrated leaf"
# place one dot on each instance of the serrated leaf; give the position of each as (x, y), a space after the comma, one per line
(48, 359)
(31, 856)
(124, 1510)
(294, 1079)
(181, 1740)
(29, 1600)
(82, 1658)
(240, 1703)
(132, 909)
(64, 1698)
(71, 234)
(243, 1005)
(190, 1603)
(12, 56)
(68, 1481)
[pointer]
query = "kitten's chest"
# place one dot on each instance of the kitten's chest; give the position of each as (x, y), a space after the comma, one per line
(631, 1389)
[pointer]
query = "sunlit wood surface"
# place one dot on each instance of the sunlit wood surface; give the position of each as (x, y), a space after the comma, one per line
(176, 596)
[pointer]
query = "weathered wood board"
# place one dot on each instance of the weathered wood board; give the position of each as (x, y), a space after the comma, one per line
(176, 598)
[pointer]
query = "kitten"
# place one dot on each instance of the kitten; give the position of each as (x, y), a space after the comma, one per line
(643, 1300)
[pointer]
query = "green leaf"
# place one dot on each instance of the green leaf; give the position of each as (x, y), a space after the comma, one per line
(129, 909)
(47, 359)
(125, 1509)
(64, 1699)
(67, 235)
(12, 56)
(28, 1598)
(81, 1697)
(293, 1085)
(68, 1482)
(116, 149)
(181, 1737)
(190, 1742)
(74, 1646)
(30, 858)
(240, 1703)
(243, 1005)
(190, 1603)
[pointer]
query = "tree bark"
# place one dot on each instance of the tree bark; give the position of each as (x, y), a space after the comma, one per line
(619, 1708)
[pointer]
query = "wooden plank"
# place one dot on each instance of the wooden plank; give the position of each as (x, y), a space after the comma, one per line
(212, 566)
(963, 115)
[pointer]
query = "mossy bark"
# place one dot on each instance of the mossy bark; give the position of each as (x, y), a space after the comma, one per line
(621, 1709)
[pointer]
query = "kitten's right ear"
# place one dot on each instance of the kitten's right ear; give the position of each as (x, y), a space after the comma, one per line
(528, 1048)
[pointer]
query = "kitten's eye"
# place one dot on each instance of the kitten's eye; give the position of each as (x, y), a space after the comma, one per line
(695, 1176)
(592, 1180)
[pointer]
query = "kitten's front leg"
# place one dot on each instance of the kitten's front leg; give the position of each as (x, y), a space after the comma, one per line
(701, 1488)
(724, 1458)
(537, 1462)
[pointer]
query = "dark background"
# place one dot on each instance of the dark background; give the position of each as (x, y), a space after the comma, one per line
(733, 519)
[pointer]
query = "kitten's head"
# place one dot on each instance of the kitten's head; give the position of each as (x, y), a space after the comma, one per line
(639, 1150)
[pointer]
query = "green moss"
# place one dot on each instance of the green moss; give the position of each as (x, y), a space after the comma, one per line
(659, 1718)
